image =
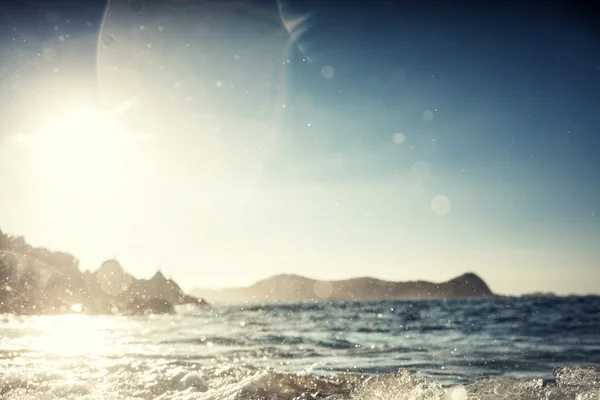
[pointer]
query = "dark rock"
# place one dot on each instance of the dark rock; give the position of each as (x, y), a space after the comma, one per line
(153, 306)
(38, 281)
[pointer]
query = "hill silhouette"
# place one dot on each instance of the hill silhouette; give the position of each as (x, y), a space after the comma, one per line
(300, 288)
(39, 281)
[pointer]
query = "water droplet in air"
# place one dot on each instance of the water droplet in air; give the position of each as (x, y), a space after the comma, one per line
(61, 38)
(136, 6)
(108, 39)
(456, 393)
(323, 289)
(327, 72)
(441, 205)
(399, 138)
(219, 84)
(160, 28)
(421, 170)
(51, 17)
(77, 307)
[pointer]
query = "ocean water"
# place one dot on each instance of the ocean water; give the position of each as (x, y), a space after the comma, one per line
(500, 348)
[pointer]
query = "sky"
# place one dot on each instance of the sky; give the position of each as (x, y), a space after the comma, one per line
(223, 142)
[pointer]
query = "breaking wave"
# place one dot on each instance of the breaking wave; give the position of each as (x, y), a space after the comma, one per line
(176, 381)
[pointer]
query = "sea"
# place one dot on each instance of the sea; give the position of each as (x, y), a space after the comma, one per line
(496, 348)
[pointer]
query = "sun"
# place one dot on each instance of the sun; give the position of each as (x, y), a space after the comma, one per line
(80, 150)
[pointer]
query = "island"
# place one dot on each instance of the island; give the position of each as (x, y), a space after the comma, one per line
(283, 288)
(39, 281)
(538, 295)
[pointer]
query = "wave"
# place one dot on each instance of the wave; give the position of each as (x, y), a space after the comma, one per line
(230, 383)
(206, 340)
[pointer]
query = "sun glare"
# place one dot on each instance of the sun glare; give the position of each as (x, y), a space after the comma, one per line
(71, 334)
(79, 150)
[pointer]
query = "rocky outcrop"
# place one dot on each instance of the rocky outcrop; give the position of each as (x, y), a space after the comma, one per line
(299, 288)
(155, 306)
(38, 281)
(159, 287)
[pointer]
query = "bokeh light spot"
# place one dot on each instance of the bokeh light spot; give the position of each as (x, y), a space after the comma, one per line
(440, 205)
(136, 6)
(420, 170)
(327, 72)
(108, 39)
(52, 17)
(457, 393)
(399, 138)
(323, 289)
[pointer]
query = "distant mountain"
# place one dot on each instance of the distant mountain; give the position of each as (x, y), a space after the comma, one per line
(39, 281)
(539, 295)
(299, 288)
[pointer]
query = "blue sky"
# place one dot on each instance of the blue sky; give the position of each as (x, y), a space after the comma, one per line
(237, 149)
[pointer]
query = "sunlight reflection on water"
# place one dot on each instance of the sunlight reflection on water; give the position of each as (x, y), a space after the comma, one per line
(72, 334)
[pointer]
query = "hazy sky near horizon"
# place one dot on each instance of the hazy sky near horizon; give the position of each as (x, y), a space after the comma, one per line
(224, 142)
